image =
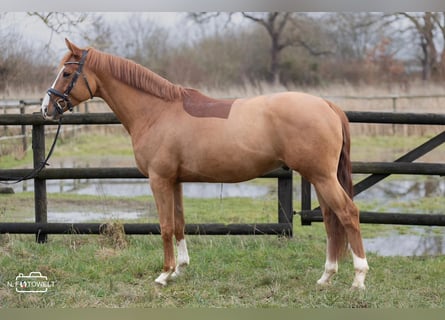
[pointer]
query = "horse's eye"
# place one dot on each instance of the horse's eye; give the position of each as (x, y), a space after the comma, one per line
(66, 74)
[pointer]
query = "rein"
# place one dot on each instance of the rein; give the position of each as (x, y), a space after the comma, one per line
(34, 173)
(64, 97)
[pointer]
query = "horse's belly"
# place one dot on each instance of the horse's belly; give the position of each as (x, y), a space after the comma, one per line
(226, 169)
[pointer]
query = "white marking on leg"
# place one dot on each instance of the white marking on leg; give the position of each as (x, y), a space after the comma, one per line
(163, 278)
(330, 268)
(183, 258)
(361, 268)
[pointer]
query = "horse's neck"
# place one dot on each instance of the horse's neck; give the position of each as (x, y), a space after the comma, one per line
(134, 108)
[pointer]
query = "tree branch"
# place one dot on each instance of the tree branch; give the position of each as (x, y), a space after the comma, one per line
(59, 22)
(258, 20)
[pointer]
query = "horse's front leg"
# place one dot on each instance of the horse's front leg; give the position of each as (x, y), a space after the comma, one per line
(163, 191)
(183, 256)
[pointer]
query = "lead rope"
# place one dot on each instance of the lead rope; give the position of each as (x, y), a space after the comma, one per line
(33, 174)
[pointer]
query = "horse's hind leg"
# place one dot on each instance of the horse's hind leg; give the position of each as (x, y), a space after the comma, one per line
(183, 258)
(333, 242)
(347, 213)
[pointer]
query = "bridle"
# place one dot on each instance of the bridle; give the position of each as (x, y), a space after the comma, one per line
(61, 105)
(64, 103)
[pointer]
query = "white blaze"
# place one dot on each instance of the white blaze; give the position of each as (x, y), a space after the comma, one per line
(45, 101)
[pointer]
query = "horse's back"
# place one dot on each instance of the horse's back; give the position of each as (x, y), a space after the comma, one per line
(306, 131)
(290, 115)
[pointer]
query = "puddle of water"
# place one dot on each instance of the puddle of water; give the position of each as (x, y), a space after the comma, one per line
(385, 191)
(425, 243)
(79, 217)
(190, 190)
(138, 187)
(90, 216)
(405, 190)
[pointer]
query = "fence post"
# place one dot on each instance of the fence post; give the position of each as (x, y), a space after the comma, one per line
(40, 200)
(305, 199)
(24, 142)
(285, 205)
(394, 109)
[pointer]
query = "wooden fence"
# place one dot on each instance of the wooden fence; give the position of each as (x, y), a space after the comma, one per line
(284, 226)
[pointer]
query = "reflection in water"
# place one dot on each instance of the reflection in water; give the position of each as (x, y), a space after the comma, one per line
(405, 189)
(78, 217)
(427, 243)
(191, 190)
(384, 191)
(140, 187)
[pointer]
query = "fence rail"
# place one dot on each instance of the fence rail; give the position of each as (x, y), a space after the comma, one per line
(146, 228)
(110, 118)
(133, 173)
(378, 171)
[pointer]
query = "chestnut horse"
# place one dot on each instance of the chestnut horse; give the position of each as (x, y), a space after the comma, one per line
(180, 135)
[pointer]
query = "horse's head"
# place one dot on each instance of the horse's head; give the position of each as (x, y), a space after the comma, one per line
(74, 84)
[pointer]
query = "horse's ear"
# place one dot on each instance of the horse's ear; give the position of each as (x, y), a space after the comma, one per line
(77, 52)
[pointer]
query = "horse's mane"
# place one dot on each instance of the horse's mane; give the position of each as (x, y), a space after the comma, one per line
(135, 75)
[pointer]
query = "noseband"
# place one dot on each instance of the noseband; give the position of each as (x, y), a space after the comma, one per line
(64, 97)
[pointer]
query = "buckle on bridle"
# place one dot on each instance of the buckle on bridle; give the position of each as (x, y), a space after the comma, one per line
(61, 103)
(64, 97)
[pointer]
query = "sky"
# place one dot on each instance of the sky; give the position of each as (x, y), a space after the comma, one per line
(225, 5)
(33, 29)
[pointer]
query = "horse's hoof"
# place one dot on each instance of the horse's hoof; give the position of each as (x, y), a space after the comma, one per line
(163, 278)
(323, 284)
(179, 270)
(160, 283)
(358, 287)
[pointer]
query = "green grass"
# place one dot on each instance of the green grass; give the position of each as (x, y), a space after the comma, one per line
(389, 148)
(225, 271)
(117, 143)
(85, 146)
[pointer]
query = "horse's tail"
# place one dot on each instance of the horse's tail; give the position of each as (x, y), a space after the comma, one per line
(344, 171)
(344, 176)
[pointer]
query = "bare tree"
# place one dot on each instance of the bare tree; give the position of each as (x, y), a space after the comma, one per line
(99, 33)
(425, 26)
(285, 29)
(141, 39)
(354, 33)
(274, 23)
(439, 19)
(60, 22)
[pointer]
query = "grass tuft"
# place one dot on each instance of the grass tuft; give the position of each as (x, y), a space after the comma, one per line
(114, 234)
